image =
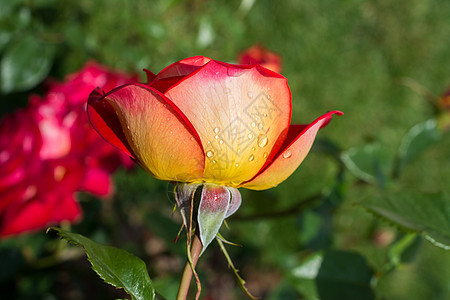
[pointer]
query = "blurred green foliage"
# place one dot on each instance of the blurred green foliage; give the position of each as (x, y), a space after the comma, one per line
(306, 238)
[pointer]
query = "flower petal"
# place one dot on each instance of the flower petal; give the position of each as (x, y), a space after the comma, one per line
(241, 114)
(152, 129)
(183, 67)
(295, 148)
(104, 120)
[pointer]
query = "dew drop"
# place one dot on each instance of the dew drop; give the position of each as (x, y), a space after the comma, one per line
(238, 150)
(237, 165)
(216, 130)
(260, 126)
(235, 72)
(250, 94)
(268, 97)
(209, 153)
(213, 161)
(250, 136)
(209, 142)
(216, 137)
(253, 124)
(251, 158)
(264, 114)
(265, 155)
(262, 140)
(287, 154)
(253, 148)
(221, 142)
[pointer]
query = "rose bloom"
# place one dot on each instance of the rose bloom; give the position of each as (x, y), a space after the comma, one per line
(205, 121)
(258, 54)
(49, 151)
(211, 127)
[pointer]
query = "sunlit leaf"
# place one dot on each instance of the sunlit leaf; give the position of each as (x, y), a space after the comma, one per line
(115, 266)
(417, 140)
(371, 163)
(424, 213)
(334, 275)
(25, 64)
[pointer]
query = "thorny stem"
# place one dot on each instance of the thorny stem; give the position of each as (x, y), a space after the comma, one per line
(196, 248)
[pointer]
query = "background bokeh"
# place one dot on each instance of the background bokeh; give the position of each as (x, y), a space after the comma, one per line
(383, 63)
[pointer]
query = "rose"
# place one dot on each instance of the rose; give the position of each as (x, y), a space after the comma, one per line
(258, 54)
(212, 126)
(201, 120)
(49, 151)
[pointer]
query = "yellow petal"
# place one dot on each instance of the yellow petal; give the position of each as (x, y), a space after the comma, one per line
(240, 113)
(295, 148)
(161, 138)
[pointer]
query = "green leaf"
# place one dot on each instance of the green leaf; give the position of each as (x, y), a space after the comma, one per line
(371, 163)
(425, 213)
(344, 275)
(25, 64)
(334, 275)
(115, 266)
(417, 140)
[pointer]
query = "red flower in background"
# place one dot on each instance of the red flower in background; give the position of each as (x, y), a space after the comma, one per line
(49, 151)
(258, 54)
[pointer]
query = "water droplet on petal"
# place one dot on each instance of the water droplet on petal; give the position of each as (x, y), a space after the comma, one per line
(268, 97)
(250, 136)
(235, 72)
(220, 142)
(237, 165)
(216, 130)
(264, 114)
(265, 155)
(250, 94)
(252, 157)
(287, 154)
(209, 153)
(253, 148)
(216, 137)
(260, 126)
(253, 124)
(262, 140)
(213, 161)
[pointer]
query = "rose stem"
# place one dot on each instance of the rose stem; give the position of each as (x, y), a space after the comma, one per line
(196, 249)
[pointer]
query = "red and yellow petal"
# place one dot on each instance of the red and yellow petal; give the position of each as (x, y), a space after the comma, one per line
(149, 127)
(183, 67)
(240, 113)
(295, 148)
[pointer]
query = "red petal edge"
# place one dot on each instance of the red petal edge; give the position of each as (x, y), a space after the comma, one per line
(294, 133)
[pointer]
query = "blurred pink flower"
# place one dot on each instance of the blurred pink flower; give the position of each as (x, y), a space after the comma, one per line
(49, 151)
(258, 54)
